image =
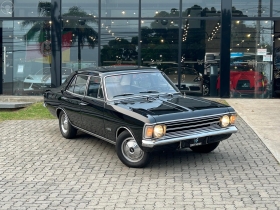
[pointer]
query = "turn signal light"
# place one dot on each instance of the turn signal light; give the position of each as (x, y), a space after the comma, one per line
(232, 119)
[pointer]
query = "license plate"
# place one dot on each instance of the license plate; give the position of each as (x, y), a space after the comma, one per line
(196, 142)
(246, 85)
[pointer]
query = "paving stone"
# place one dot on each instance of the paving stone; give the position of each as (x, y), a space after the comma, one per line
(39, 169)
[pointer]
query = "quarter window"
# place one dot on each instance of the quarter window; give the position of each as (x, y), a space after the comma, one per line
(72, 85)
(95, 88)
(78, 85)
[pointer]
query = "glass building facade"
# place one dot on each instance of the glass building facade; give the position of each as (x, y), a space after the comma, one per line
(218, 48)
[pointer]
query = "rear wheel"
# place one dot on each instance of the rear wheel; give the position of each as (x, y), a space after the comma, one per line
(130, 153)
(66, 129)
(205, 148)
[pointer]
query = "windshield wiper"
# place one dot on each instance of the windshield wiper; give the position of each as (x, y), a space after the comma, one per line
(149, 91)
(124, 94)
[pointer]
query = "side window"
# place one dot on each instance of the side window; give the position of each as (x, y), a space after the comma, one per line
(80, 85)
(72, 85)
(94, 88)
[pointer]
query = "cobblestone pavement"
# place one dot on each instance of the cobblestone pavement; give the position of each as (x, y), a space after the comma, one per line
(39, 169)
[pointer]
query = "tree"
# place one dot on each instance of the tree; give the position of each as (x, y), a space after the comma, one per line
(119, 50)
(73, 30)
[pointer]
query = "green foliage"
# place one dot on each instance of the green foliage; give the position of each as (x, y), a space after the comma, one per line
(34, 112)
(81, 29)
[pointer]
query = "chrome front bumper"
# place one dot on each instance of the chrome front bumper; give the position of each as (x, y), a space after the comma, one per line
(150, 143)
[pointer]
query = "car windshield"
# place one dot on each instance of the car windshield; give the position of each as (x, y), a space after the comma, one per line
(127, 85)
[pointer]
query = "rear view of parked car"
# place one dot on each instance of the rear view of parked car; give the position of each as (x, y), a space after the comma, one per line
(246, 81)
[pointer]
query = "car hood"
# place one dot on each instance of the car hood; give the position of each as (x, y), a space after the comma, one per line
(170, 108)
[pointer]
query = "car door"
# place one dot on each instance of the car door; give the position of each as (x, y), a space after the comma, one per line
(72, 98)
(92, 109)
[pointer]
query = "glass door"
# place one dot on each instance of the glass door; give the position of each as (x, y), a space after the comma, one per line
(7, 57)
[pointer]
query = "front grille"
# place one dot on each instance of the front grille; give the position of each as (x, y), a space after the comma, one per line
(192, 126)
(194, 88)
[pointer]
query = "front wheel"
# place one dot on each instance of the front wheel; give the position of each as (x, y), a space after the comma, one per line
(130, 153)
(66, 129)
(205, 148)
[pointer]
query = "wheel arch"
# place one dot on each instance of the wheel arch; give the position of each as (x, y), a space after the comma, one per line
(122, 129)
(59, 110)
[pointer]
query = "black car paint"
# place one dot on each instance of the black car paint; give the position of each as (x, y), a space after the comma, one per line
(130, 113)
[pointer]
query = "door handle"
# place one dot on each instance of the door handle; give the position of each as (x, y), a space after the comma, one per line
(83, 104)
(4, 61)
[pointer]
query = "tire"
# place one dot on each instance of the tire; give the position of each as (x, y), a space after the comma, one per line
(130, 153)
(66, 129)
(205, 148)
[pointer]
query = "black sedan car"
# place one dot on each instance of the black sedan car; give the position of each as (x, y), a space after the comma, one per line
(139, 110)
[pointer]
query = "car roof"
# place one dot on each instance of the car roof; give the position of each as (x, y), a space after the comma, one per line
(107, 70)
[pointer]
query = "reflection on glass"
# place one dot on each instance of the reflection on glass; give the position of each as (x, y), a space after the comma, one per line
(76, 34)
(165, 7)
(191, 80)
(159, 40)
(89, 7)
(201, 48)
(79, 37)
(6, 8)
(276, 59)
(29, 8)
(276, 8)
(37, 83)
(137, 84)
(251, 8)
(251, 59)
(201, 8)
(119, 42)
(119, 8)
(32, 48)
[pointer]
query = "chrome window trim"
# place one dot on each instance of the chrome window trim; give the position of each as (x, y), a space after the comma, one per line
(101, 87)
(95, 135)
(86, 87)
(130, 72)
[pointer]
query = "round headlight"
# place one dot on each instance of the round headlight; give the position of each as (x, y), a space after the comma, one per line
(224, 121)
(159, 131)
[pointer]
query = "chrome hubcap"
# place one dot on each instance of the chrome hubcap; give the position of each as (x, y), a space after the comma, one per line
(131, 150)
(64, 123)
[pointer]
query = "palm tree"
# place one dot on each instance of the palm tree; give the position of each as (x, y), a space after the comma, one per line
(79, 29)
